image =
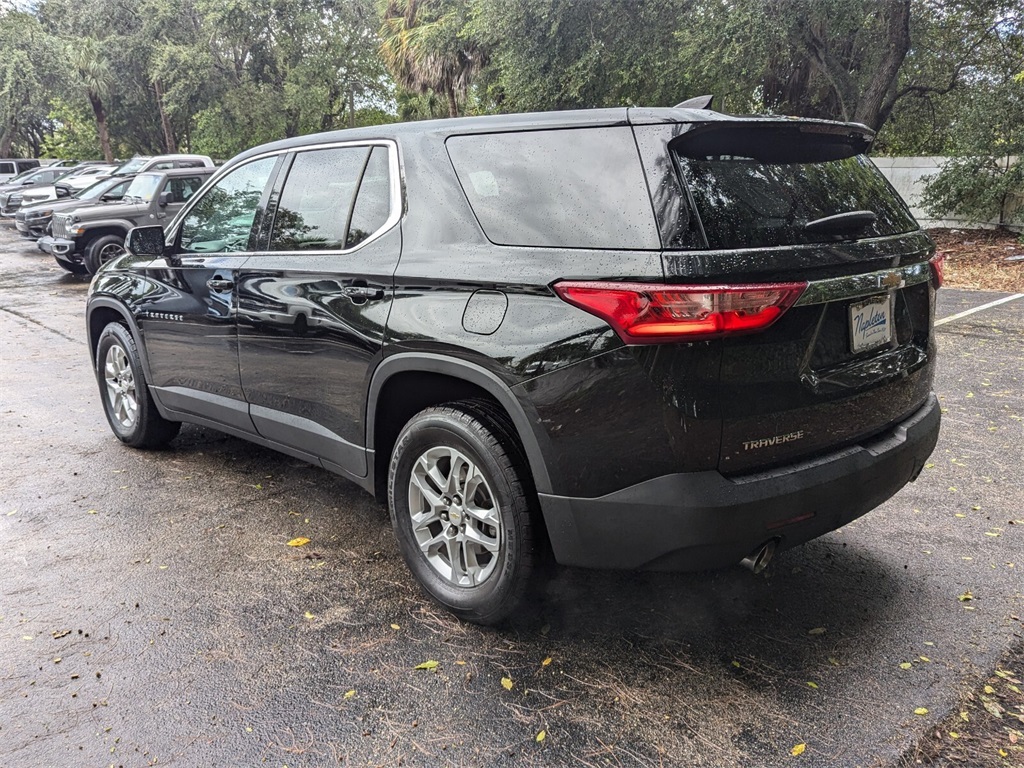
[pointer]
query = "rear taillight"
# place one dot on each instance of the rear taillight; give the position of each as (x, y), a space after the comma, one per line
(644, 313)
(938, 262)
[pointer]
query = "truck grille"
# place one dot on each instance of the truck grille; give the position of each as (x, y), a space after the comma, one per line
(60, 225)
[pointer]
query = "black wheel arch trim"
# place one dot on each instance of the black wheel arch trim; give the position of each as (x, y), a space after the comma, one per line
(104, 302)
(474, 374)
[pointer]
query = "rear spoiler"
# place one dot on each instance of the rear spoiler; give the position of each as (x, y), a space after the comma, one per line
(774, 140)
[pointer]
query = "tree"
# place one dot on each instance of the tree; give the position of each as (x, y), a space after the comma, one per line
(30, 66)
(986, 172)
(425, 46)
(562, 54)
(95, 75)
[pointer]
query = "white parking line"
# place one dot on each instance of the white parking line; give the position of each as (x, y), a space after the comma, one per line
(966, 312)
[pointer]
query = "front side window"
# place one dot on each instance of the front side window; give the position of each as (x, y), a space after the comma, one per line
(317, 199)
(221, 221)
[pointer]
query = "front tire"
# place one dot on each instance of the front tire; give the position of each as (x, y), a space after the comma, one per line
(463, 511)
(101, 250)
(127, 403)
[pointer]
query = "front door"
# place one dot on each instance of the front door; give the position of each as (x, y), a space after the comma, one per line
(188, 316)
(313, 307)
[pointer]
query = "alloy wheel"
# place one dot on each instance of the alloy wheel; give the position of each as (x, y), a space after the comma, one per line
(122, 398)
(455, 519)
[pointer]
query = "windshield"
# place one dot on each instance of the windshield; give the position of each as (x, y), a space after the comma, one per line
(132, 166)
(143, 187)
(33, 174)
(93, 191)
(749, 203)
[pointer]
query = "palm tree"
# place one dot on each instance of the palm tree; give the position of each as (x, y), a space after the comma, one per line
(423, 46)
(96, 76)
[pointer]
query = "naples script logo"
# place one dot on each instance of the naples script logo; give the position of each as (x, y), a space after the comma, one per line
(870, 322)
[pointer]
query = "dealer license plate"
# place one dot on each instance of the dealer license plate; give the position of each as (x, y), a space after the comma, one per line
(871, 323)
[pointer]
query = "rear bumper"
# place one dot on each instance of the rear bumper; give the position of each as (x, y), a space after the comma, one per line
(699, 520)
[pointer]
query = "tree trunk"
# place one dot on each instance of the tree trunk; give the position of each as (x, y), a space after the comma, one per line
(169, 141)
(101, 126)
(896, 18)
(453, 106)
(351, 106)
(6, 140)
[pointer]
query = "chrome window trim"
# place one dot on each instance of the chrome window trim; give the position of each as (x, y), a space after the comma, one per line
(866, 284)
(394, 181)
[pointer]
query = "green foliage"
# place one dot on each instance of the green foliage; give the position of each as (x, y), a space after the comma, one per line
(561, 54)
(984, 181)
(74, 134)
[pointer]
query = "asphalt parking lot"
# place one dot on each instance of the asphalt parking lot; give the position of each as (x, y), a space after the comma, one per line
(151, 612)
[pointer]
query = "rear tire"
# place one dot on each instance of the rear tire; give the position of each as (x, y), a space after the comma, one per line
(127, 403)
(101, 250)
(462, 508)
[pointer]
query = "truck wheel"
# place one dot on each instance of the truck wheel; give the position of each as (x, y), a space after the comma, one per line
(101, 250)
(127, 403)
(74, 269)
(462, 511)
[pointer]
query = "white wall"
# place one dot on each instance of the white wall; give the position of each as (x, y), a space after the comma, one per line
(905, 173)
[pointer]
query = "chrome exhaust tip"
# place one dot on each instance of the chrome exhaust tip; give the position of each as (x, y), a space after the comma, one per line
(758, 560)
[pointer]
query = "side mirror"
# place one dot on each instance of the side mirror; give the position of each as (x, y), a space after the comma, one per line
(63, 192)
(28, 182)
(147, 242)
(164, 199)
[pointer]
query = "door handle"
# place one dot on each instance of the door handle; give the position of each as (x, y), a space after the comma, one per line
(363, 292)
(219, 284)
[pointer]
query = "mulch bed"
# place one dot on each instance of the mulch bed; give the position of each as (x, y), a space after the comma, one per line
(977, 258)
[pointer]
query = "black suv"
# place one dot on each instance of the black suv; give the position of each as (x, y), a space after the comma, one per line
(635, 338)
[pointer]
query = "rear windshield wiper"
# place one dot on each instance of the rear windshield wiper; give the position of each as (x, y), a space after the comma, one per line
(848, 221)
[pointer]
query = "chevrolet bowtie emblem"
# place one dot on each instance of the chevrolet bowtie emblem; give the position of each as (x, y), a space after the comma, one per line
(890, 280)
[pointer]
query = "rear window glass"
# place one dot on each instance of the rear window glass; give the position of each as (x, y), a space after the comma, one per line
(749, 203)
(579, 188)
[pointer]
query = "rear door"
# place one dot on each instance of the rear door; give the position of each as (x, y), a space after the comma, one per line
(312, 308)
(749, 204)
(187, 315)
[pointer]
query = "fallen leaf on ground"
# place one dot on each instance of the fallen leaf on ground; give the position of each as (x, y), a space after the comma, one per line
(798, 750)
(506, 683)
(431, 664)
(542, 735)
(309, 615)
(395, 626)
(546, 662)
(299, 541)
(60, 633)
(921, 711)
(817, 631)
(350, 694)
(811, 685)
(906, 665)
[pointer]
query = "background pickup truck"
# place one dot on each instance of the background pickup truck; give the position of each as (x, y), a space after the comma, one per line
(86, 238)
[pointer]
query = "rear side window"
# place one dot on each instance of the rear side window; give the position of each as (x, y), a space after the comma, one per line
(578, 188)
(333, 199)
(745, 202)
(183, 187)
(373, 204)
(7, 168)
